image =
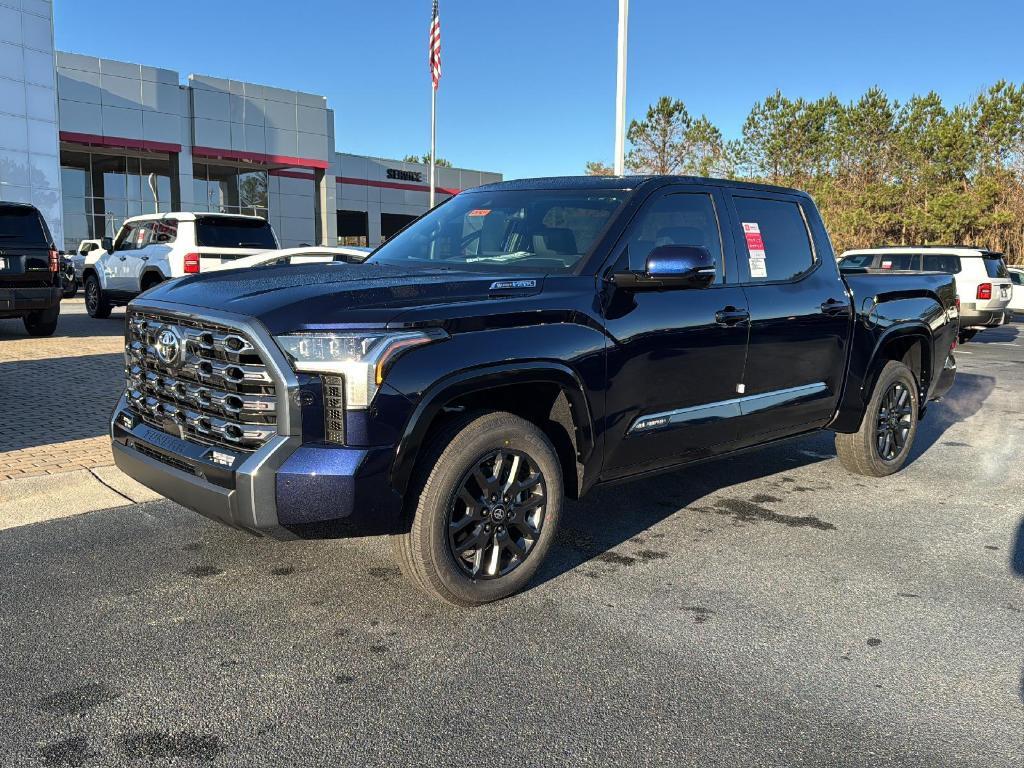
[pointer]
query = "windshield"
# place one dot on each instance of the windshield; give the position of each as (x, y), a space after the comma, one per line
(505, 230)
(225, 232)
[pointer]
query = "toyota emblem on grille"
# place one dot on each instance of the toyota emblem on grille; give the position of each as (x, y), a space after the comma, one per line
(168, 346)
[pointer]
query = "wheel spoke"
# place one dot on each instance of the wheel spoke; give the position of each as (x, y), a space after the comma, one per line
(512, 472)
(530, 503)
(509, 542)
(458, 526)
(474, 541)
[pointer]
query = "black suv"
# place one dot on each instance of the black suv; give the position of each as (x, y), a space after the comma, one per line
(30, 285)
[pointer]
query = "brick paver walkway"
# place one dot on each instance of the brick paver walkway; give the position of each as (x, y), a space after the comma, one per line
(56, 393)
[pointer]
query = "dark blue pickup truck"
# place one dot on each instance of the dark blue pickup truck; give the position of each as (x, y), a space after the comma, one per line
(520, 343)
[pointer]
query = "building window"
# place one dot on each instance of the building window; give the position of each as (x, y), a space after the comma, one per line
(391, 223)
(101, 190)
(353, 228)
(230, 189)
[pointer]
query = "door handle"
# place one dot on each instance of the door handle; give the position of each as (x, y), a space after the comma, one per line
(729, 316)
(143, 258)
(834, 307)
(122, 257)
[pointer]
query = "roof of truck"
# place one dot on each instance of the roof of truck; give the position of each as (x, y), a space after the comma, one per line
(624, 182)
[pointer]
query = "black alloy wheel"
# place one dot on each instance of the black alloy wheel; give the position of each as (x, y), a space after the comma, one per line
(497, 514)
(895, 420)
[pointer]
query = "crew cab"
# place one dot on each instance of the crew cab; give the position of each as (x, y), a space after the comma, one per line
(150, 249)
(982, 281)
(520, 343)
(30, 282)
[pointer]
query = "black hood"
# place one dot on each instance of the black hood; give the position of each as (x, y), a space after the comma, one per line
(288, 298)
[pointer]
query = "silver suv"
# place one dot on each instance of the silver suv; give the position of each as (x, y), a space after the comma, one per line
(983, 283)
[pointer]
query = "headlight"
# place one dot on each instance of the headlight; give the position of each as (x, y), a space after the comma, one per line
(361, 357)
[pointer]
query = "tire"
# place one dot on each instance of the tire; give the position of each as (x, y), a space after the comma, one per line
(43, 322)
(96, 304)
(70, 292)
(866, 451)
(447, 475)
(966, 336)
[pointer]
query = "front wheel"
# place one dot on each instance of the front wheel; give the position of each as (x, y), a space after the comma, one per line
(882, 444)
(96, 303)
(489, 496)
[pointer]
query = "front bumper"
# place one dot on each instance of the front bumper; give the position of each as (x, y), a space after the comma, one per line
(284, 490)
(28, 299)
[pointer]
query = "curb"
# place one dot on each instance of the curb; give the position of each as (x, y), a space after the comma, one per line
(50, 497)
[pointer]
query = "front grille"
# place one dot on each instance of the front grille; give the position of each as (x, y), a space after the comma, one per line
(216, 390)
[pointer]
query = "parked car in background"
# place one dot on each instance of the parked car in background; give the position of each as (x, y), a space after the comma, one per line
(68, 280)
(157, 247)
(522, 342)
(88, 252)
(30, 279)
(309, 254)
(1017, 298)
(982, 281)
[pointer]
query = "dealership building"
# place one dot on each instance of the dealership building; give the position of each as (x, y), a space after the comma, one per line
(93, 141)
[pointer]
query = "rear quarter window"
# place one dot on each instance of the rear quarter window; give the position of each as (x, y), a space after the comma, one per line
(942, 262)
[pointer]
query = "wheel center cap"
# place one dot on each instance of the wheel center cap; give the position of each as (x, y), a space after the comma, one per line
(498, 514)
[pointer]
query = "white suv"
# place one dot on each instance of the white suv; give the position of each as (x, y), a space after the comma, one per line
(983, 284)
(153, 248)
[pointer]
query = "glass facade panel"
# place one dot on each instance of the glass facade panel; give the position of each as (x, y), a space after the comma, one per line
(230, 189)
(101, 189)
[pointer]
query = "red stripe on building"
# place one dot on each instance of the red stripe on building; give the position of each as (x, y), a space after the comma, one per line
(118, 142)
(394, 185)
(259, 157)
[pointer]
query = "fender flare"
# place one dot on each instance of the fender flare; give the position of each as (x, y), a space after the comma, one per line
(150, 271)
(472, 380)
(899, 331)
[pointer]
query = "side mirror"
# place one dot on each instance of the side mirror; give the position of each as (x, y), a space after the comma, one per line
(107, 243)
(671, 266)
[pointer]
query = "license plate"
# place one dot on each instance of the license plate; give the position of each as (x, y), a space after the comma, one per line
(1004, 291)
(3, 264)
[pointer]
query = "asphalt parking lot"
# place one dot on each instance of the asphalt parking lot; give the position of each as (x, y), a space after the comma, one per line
(769, 609)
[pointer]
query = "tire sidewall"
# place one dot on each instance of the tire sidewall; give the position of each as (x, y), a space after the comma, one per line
(97, 308)
(892, 373)
(469, 446)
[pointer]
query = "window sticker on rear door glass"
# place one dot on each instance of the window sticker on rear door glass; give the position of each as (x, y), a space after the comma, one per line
(755, 247)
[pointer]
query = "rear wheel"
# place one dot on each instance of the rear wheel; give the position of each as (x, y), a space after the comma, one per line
(882, 444)
(43, 322)
(489, 496)
(96, 303)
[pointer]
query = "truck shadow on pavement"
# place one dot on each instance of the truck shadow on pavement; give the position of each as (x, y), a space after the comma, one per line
(616, 515)
(74, 325)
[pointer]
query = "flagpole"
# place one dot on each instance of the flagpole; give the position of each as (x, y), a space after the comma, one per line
(433, 138)
(620, 90)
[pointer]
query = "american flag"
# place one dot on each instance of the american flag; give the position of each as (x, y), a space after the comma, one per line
(435, 47)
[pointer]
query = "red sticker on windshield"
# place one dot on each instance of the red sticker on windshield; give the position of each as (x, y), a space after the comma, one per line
(479, 212)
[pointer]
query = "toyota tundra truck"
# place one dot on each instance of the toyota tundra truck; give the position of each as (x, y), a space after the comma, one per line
(522, 343)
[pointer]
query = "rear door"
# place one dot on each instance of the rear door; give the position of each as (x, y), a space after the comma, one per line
(24, 248)
(800, 315)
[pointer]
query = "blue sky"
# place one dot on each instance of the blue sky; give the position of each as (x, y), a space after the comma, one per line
(529, 85)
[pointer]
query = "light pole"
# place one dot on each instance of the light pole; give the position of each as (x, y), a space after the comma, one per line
(620, 90)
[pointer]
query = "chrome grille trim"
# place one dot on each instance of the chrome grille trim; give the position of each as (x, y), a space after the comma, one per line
(217, 391)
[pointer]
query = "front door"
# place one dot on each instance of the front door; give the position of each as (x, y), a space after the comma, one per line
(800, 315)
(675, 356)
(115, 265)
